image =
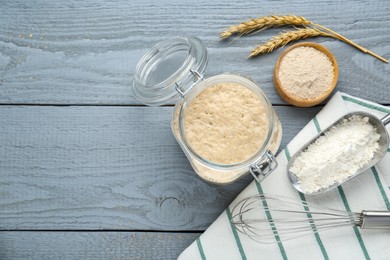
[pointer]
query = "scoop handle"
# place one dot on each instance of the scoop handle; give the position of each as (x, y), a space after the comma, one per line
(386, 119)
(374, 219)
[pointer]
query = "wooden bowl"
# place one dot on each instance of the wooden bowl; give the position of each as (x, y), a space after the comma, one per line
(297, 101)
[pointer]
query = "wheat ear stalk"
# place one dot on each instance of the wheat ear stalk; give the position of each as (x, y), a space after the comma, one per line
(346, 40)
(286, 37)
(264, 23)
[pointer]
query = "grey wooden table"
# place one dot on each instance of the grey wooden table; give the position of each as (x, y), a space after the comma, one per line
(86, 171)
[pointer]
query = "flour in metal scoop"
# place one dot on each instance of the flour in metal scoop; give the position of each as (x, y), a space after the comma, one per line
(337, 155)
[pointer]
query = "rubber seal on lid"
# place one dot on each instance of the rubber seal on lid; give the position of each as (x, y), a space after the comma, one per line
(168, 63)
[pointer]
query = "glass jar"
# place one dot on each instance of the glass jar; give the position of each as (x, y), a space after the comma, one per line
(173, 71)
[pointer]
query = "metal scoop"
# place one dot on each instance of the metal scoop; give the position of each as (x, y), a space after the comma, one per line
(383, 143)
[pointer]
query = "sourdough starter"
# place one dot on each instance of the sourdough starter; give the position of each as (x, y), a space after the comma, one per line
(226, 123)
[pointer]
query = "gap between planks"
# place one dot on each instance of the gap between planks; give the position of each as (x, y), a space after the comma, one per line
(112, 105)
(103, 230)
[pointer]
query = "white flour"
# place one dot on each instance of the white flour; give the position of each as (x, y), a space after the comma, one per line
(337, 155)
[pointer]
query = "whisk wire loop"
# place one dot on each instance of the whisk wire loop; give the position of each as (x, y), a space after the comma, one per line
(290, 219)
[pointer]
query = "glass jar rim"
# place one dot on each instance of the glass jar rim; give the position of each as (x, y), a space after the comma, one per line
(227, 78)
(164, 91)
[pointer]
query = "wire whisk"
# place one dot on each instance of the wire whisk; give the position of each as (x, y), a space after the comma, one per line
(268, 219)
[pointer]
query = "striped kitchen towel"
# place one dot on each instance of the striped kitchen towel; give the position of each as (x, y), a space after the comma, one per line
(367, 191)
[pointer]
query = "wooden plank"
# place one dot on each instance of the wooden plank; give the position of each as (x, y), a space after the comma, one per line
(85, 53)
(93, 245)
(94, 168)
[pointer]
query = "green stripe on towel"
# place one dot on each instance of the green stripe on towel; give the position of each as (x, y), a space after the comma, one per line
(362, 103)
(346, 205)
(317, 125)
(355, 228)
(313, 226)
(287, 153)
(200, 248)
(309, 216)
(236, 237)
(382, 190)
(273, 227)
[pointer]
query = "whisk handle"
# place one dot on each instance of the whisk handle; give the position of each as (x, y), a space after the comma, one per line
(374, 219)
(386, 119)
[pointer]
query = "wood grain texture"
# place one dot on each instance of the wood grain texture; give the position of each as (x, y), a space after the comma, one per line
(119, 168)
(93, 168)
(93, 245)
(55, 52)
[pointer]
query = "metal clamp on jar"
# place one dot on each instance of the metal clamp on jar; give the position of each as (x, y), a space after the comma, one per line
(212, 121)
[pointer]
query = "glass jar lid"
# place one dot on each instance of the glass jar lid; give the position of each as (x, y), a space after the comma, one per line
(168, 69)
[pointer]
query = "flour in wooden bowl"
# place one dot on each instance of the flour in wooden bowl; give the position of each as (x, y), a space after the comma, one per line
(226, 123)
(306, 72)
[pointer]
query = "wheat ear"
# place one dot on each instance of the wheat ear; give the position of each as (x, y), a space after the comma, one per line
(346, 40)
(264, 23)
(286, 37)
